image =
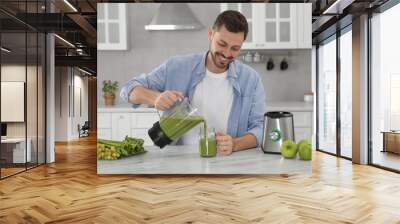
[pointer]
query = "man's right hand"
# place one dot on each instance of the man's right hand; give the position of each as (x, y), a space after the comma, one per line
(166, 99)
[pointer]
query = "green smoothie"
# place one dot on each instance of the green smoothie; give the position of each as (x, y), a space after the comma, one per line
(175, 127)
(210, 150)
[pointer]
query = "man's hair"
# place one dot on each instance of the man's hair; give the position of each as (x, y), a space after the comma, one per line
(233, 21)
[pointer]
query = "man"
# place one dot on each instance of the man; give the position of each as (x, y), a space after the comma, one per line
(228, 94)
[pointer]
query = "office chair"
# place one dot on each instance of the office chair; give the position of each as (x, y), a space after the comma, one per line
(84, 130)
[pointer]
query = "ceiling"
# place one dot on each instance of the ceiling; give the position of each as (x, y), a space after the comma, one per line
(333, 15)
(78, 26)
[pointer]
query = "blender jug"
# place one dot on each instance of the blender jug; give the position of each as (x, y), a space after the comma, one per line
(174, 122)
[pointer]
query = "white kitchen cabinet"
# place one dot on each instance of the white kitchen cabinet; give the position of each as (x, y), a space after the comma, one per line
(141, 123)
(304, 31)
(120, 126)
(302, 119)
(104, 133)
(104, 125)
(142, 133)
(112, 27)
(302, 133)
(303, 124)
(275, 25)
(116, 123)
(144, 120)
(103, 120)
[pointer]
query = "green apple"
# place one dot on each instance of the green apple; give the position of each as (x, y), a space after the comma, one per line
(303, 141)
(304, 147)
(289, 149)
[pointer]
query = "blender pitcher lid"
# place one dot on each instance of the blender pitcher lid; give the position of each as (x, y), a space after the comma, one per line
(179, 106)
(278, 114)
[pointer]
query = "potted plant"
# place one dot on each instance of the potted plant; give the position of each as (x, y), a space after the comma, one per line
(109, 89)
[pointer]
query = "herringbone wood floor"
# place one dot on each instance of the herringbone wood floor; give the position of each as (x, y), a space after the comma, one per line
(70, 191)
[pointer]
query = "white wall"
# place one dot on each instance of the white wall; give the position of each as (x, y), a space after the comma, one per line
(12, 73)
(81, 83)
(288, 85)
(61, 103)
(67, 80)
(33, 126)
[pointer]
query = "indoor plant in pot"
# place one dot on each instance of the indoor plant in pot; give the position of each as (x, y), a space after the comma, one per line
(109, 89)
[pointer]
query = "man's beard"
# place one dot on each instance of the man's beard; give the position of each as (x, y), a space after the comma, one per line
(220, 62)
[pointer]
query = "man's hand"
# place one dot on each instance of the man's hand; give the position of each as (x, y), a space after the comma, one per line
(166, 99)
(161, 101)
(225, 143)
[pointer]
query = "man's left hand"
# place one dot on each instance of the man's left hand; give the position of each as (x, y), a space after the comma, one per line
(225, 143)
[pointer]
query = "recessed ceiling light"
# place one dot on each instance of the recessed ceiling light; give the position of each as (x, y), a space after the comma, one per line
(64, 40)
(84, 71)
(5, 50)
(70, 5)
(337, 7)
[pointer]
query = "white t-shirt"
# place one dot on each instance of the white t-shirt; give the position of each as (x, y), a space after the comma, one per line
(213, 98)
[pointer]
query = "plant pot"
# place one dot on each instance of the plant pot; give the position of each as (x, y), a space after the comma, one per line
(109, 99)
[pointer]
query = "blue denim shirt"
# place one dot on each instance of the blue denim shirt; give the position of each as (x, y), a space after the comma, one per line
(183, 73)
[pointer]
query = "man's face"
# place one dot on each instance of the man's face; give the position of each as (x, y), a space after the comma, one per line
(224, 46)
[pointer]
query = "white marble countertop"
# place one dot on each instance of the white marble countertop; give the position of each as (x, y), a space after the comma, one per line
(290, 106)
(186, 160)
(125, 109)
(271, 106)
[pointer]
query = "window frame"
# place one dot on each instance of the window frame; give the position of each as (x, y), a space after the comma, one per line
(334, 37)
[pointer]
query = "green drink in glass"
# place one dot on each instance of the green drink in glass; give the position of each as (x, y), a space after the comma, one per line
(207, 142)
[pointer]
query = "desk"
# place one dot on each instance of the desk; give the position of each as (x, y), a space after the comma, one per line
(391, 141)
(16, 148)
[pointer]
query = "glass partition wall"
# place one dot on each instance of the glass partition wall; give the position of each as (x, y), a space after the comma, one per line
(327, 96)
(383, 87)
(13, 86)
(385, 90)
(334, 94)
(22, 100)
(346, 75)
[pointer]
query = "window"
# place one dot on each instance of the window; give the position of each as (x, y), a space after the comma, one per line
(111, 26)
(327, 97)
(335, 94)
(394, 102)
(385, 89)
(346, 94)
